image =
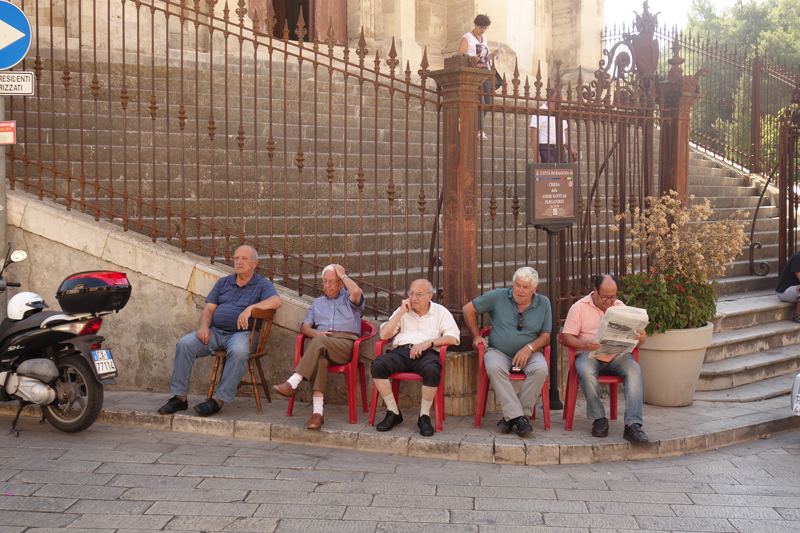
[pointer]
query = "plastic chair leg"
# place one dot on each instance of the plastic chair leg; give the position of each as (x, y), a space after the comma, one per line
(438, 405)
(363, 380)
(352, 392)
(545, 404)
(572, 399)
(613, 389)
(373, 405)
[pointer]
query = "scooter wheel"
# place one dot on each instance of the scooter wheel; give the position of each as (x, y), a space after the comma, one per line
(80, 396)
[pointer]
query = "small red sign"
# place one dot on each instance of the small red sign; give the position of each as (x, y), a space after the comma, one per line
(8, 132)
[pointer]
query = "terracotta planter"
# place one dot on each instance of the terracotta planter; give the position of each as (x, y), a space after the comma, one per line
(671, 362)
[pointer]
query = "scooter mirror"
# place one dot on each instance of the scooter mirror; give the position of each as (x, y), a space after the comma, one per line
(18, 256)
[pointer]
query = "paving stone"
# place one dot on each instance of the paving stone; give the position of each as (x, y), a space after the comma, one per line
(790, 514)
(206, 523)
(764, 526)
(394, 514)
(746, 500)
(185, 495)
(35, 503)
(19, 488)
(529, 505)
(404, 527)
(33, 453)
(548, 482)
(114, 456)
(597, 522)
(509, 451)
(309, 498)
(379, 488)
(116, 507)
(304, 526)
(36, 519)
(716, 511)
(321, 476)
(257, 484)
(140, 469)
(84, 492)
(638, 509)
(117, 521)
(336, 463)
(685, 524)
(637, 486)
(229, 472)
(514, 493)
(324, 512)
(182, 459)
(441, 478)
(422, 502)
(496, 518)
(670, 446)
(128, 480)
(277, 461)
(150, 420)
(622, 496)
(720, 439)
(695, 443)
(201, 509)
(57, 465)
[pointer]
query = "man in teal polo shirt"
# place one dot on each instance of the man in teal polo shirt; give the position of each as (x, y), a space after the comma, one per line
(521, 324)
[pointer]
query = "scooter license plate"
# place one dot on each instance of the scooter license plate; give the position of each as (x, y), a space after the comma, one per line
(104, 364)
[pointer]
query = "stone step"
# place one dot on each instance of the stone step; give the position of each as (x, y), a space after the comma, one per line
(751, 392)
(733, 285)
(749, 368)
(730, 344)
(753, 309)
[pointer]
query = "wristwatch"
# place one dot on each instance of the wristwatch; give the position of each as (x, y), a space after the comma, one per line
(530, 347)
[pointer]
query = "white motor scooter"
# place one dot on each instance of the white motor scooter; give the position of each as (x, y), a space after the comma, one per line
(795, 398)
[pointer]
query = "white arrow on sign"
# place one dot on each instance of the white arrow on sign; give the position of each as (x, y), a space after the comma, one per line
(9, 35)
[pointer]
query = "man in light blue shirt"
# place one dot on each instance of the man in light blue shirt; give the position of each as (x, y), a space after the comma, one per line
(333, 323)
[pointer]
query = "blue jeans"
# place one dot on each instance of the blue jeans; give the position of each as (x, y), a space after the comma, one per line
(623, 366)
(189, 348)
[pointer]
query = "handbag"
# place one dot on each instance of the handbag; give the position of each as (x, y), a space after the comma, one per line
(498, 80)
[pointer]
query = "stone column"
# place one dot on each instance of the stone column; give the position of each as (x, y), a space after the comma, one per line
(679, 93)
(459, 82)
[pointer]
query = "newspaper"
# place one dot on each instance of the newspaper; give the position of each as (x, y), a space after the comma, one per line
(617, 330)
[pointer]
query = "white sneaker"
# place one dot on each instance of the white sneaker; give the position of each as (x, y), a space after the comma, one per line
(482, 136)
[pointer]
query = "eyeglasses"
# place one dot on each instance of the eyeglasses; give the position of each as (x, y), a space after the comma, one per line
(417, 294)
(330, 281)
(608, 298)
(519, 321)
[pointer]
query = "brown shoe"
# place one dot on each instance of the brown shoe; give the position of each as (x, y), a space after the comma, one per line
(315, 421)
(285, 389)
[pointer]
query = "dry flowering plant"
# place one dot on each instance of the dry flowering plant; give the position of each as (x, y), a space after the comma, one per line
(685, 253)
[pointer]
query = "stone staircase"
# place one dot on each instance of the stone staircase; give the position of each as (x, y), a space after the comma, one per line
(755, 350)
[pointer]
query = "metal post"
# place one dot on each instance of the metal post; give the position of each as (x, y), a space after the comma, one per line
(3, 210)
(552, 294)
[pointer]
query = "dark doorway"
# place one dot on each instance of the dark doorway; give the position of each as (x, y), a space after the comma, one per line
(318, 15)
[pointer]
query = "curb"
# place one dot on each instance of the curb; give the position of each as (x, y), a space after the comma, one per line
(468, 448)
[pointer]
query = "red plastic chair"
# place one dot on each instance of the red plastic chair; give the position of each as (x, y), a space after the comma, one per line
(483, 385)
(368, 331)
(573, 384)
(438, 399)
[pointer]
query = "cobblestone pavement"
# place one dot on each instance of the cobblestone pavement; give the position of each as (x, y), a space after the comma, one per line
(124, 479)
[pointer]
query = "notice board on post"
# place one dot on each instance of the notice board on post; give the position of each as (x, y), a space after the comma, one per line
(552, 194)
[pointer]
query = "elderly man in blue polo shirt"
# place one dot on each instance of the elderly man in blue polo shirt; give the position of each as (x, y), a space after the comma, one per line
(521, 324)
(224, 325)
(334, 323)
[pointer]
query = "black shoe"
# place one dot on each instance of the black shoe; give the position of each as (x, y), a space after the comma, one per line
(390, 421)
(634, 433)
(523, 426)
(506, 426)
(425, 427)
(600, 427)
(207, 408)
(174, 405)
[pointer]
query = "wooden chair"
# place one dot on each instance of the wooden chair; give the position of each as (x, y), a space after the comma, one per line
(483, 385)
(573, 384)
(264, 318)
(368, 330)
(397, 377)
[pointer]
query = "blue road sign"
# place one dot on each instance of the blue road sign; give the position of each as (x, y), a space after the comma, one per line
(15, 35)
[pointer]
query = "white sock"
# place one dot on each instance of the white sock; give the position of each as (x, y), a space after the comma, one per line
(425, 407)
(318, 401)
(295, 380)
(391, 405)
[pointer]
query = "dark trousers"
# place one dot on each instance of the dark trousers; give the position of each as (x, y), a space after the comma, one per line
(399, 359)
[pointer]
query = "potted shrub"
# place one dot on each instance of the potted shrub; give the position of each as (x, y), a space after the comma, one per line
(685, 253)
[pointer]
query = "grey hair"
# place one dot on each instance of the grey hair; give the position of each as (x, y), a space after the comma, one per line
(428, 284)
(528, 274)
(327, 269)
(253, 253)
